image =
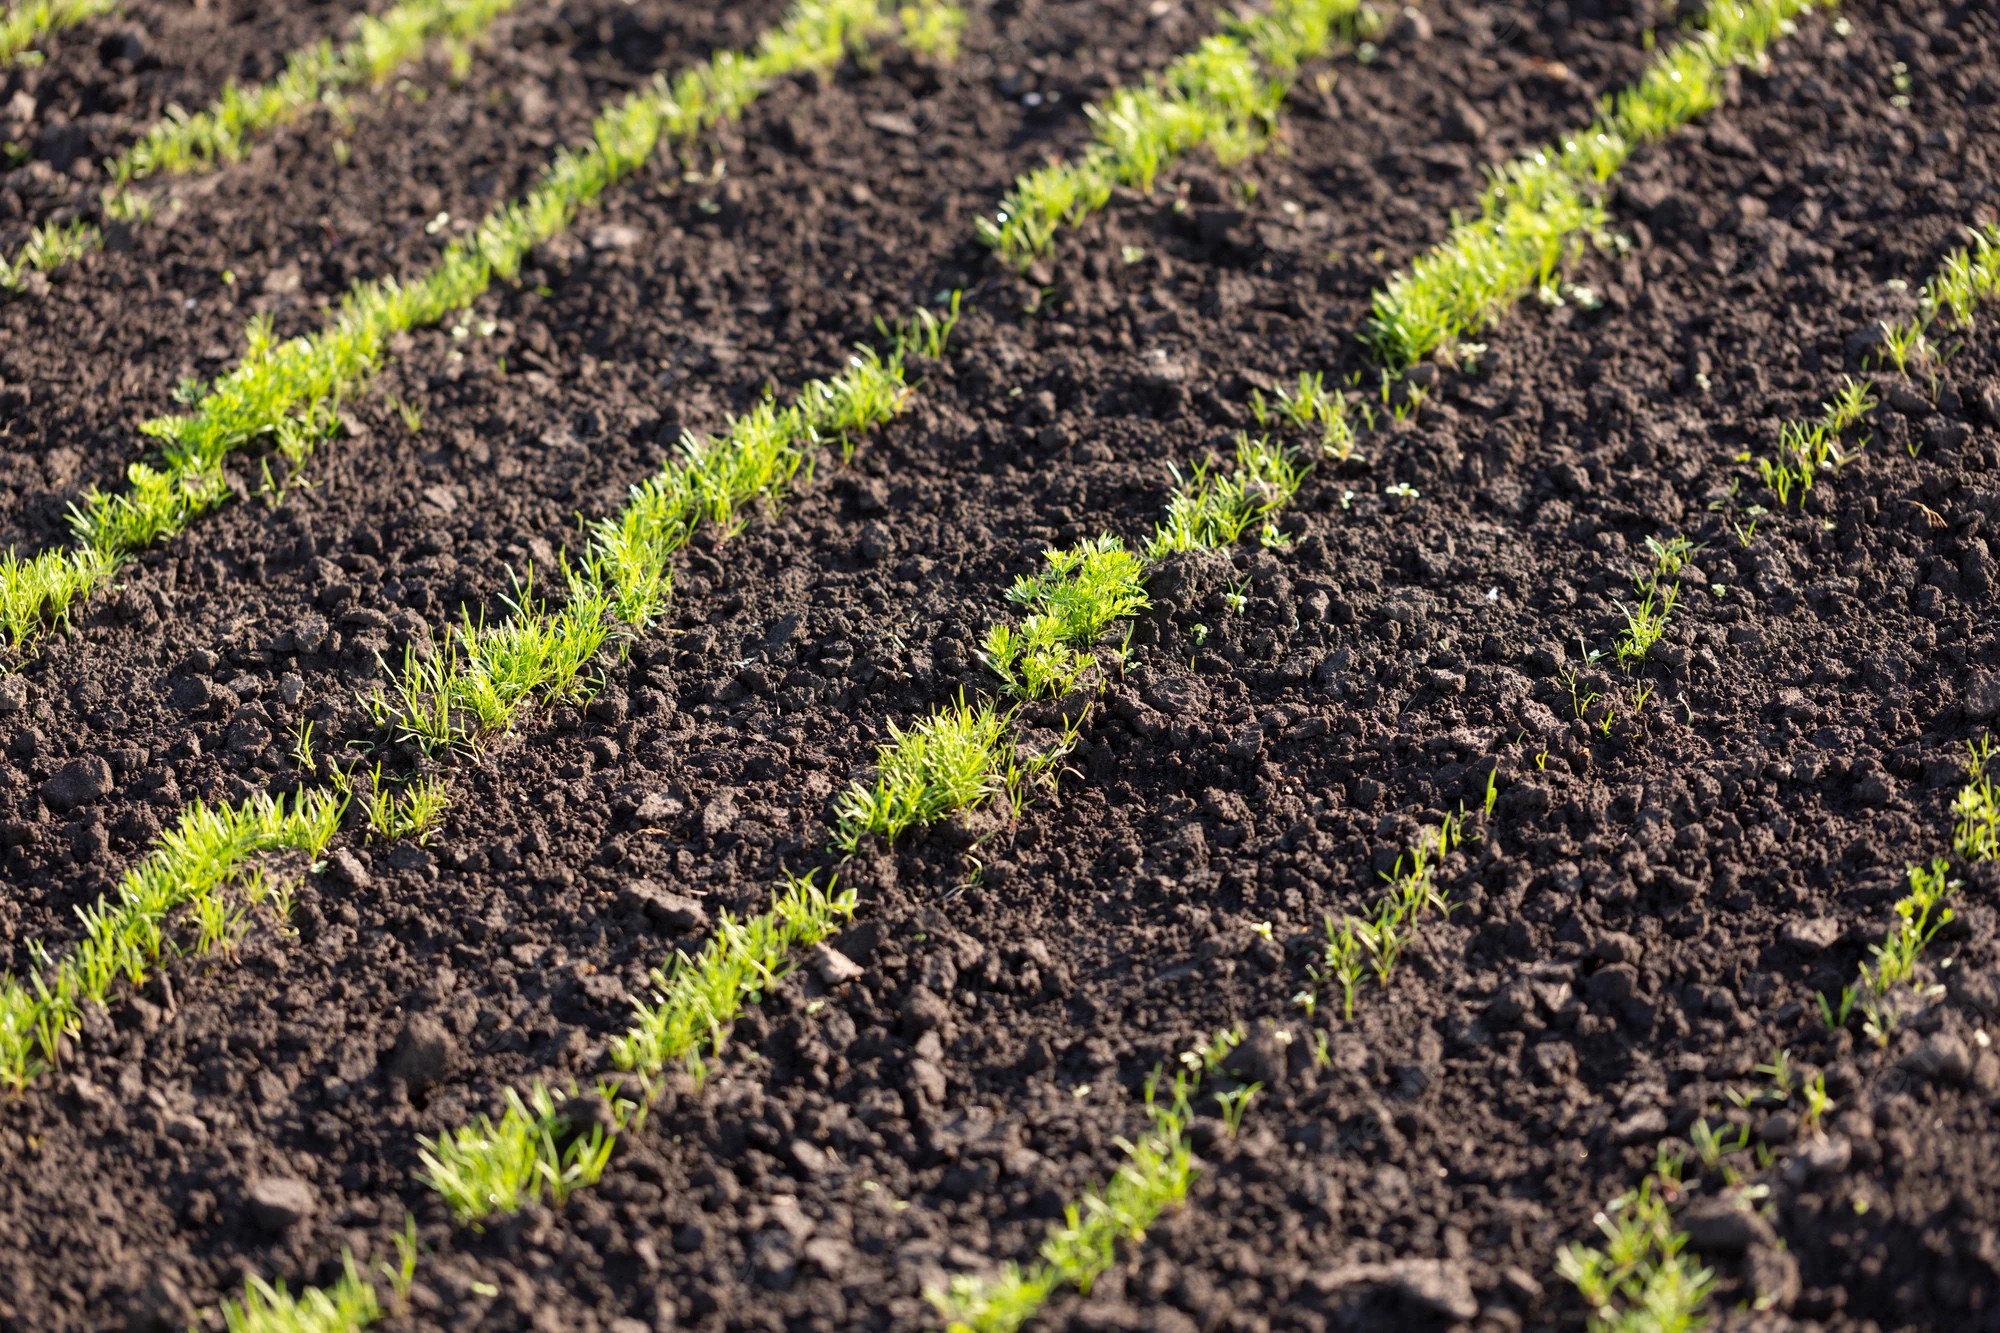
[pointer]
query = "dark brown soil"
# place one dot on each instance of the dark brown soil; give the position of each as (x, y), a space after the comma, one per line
(1639, 924)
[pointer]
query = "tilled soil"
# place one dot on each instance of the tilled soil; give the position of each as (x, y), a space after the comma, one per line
(1647, 913)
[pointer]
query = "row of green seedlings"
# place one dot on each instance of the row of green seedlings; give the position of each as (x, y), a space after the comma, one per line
(1967, 277)
(1538, 209)
(476, 686)
(189, 896)
(287, 392)
(960, 758)
(1358, 947)
(1156, 1174)
(485, 674)
(184, 143)
(1656, 584)
(26, 24)
(1898, 982)
(1158, 1170)
(1224, 96)
(1642, 1276)
(1807, 450)
(529, 1152)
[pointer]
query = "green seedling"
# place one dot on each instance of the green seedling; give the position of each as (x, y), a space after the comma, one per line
(184, 143)
(1158, 1169)
(1537, 210)
(411, 414)
(1920, 915)
(1712, 1146)
(1224, 96)
(1312, 410)
(1377, 942)
(959, 758)
(1642, 1277)
(530, 1154)
(1645, 624)
(28, 23)
(1817, 1103)
(303, 753)
(412, 813)
(1084, 590)
(1581, 697)
(924, 333)
(1837, 1013)
(1234, 1104)
(50, 246)
(350, 1302)
(210, 849)
(486, 674)
(695, 999)
(1976, 809)
(1210, 510)
(1492, 790)
(1808, 449)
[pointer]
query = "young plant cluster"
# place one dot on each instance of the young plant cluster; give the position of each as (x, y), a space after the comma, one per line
(1357, 947)
(1642, 1277)
(1314, 411)
(1211, 509)
(1807, 449)
(209, 850)
(350, 1303)
(1920, 915)
(1659, 595)
(532, 1153)
(958, 758)
(1924, 911)
(1155, 1176)
(1224, 96)
(1537, 209)
(536, 1151)
(486, 674)
(185, 143)
(285, 392)
(1966, 278)
(964, 755)
(190, 142)
(48, 248)
(1083, 591)
(25, 24)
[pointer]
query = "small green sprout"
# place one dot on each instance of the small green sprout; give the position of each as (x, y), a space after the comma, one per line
(1642, 1277)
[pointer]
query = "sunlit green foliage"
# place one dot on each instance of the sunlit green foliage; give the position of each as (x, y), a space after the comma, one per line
(696, 999)
(1084, 589)
(1642, 1280)
(285, 391)
(1538, 209)
(1211, 509)
(1155, 1176)
(210, 849)
(1223, 96)
(27, 23)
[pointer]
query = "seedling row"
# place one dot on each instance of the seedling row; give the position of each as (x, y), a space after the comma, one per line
(1058, 655)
